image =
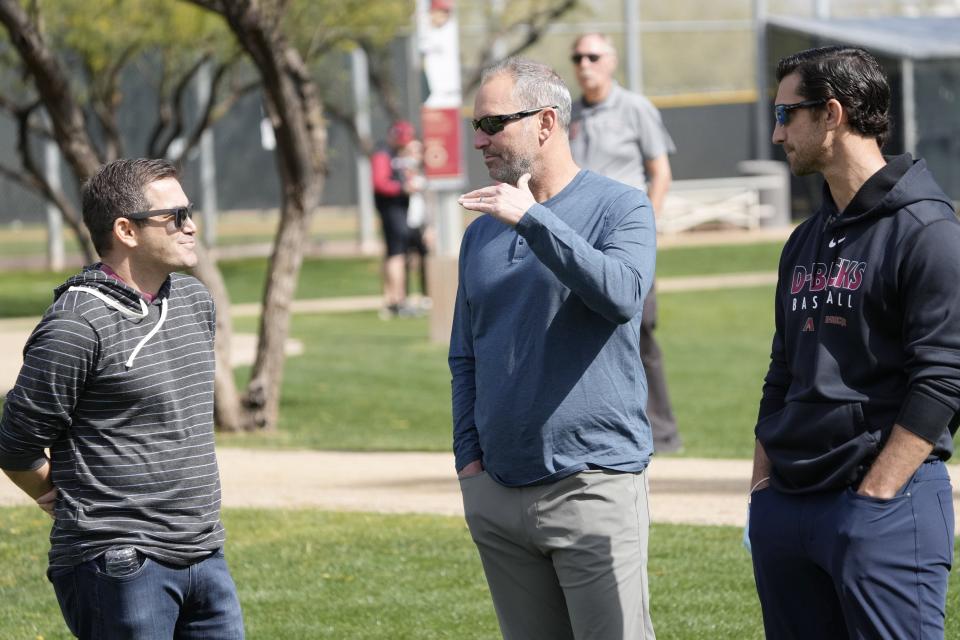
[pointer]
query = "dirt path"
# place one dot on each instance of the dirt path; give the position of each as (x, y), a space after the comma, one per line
(682, 490)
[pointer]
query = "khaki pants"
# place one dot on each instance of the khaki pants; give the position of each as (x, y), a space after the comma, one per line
(567, 559)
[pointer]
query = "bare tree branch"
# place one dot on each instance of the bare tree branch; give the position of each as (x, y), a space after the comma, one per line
(176, 123)
(44, 190)
(215, 109)
(23, 141)
(38, 182)
(164, 113)
(25, 180)
(378, 69)
(536, 26)
(12, 108)
(346, 119)
(53, 88)
(326, 42)
(105, 100)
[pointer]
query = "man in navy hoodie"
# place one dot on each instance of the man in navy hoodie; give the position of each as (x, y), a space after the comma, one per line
(851, 521)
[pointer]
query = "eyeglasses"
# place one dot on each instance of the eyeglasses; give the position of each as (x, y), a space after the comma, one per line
(577, 58)
(495, 124)
(181, 214)
(782, 111)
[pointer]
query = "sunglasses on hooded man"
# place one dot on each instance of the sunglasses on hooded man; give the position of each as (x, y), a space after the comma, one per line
(180, 214)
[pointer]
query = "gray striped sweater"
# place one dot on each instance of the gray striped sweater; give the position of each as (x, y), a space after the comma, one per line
(122, 394)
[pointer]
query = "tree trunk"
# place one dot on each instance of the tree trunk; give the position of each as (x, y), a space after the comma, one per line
(262, 399)
(295, 110)
(79, 229)
(77, 148)
(227, 412)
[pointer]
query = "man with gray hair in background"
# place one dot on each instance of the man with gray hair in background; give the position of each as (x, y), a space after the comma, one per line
(551, 437)
(620, 134)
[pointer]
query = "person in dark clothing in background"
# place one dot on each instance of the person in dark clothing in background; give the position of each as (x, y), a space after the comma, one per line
(117, 381)
(851, 517)
(392, 185)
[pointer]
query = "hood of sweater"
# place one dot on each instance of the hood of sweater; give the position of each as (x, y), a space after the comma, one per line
(863, 339)
(121, 297)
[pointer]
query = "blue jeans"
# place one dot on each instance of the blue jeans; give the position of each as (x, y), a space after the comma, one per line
(836, 564)
(158, 601)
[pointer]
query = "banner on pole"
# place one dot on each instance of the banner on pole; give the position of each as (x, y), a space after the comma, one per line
(439, 44)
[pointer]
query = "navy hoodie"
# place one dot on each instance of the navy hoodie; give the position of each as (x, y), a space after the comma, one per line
(867, 332)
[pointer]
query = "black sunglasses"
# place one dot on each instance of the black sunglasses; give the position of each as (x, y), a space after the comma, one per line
(782, 111)
(577, 58)
(495, 124)
(181, 214)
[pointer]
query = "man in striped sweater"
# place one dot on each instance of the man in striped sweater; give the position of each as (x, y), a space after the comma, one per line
(117, 383)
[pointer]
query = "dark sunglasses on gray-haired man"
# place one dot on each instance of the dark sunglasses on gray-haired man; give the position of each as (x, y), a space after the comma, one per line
(495, 124)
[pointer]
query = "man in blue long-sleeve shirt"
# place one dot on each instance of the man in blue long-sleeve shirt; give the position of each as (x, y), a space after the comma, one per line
(550, 434)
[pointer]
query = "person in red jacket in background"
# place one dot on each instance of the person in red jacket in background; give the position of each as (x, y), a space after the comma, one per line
(392, 185)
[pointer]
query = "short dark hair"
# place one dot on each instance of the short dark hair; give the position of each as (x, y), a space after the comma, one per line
(850, 75)
(117, 189)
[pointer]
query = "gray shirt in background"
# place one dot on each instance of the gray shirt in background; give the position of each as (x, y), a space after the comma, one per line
(616, 136)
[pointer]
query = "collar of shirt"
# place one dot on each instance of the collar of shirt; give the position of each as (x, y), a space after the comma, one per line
(113, 274)
(610, 101)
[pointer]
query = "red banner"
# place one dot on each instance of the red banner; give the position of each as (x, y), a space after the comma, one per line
(441, 143)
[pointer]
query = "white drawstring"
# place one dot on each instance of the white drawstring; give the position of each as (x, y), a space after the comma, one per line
(144, 311)
(113, 303)
(153, 332)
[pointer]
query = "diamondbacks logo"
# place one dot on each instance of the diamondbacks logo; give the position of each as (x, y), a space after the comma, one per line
(808, 325)
(832, 284)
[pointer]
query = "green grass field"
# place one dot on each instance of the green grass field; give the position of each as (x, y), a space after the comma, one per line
(350, 576)
(29, 293)
(312, 574)
(370, 385)
(365, 384)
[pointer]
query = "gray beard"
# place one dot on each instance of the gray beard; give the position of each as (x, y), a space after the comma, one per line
(510, 172)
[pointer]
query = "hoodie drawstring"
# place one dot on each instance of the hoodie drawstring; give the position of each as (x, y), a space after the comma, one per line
(153, 332)
(113, 303)
(131, 314)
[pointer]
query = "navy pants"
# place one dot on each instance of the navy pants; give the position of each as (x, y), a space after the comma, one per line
(158, 601)
(840, 565)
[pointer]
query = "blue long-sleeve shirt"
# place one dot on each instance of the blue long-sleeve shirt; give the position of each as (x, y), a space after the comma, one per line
(544, 352)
